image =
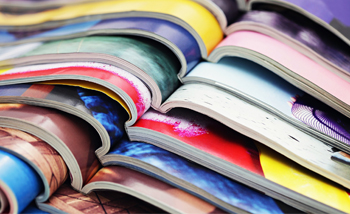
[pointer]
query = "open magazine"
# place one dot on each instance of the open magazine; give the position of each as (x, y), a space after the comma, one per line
(191, 13)
(328, 14)
(137, 99)
(45, 169)
(188, 178)
(134, 59)
(301, 34)
(250, 174)
(261, 87)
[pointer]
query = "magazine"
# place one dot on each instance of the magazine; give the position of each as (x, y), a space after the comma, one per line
(260, 125)
(143, 69)
(149, 189)
(219, 190)
(15, 193)
(300, 33)
(264, 50)
(39, 155)
(259, 86)
(178, 39)
(330, 15)
(58, 93)
(213, 145)
(158, 70)
(76, 101)
(71, 137)
(99, 105)
(67, 200)
(50, 166)
(191, 12)
(208, 190)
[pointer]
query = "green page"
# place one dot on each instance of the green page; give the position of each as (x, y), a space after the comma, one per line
(152, 57)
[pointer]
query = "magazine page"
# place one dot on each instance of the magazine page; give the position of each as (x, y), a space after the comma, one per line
(333, 15)
(75, 134)
(290, 174)
(149, 189)
(256, 84)
(217, 189)
(184, 45)
(203, 133)
(191, 12)
(15, 175)
(32, 208)
(38, 153)
(299, 33)
(130, 88)
(229, 8)
(292, 66)
(213, 145)
(261, 126)
(132, 53)
(248, 78)
(67, 200)
(94, 104)
(174, 36)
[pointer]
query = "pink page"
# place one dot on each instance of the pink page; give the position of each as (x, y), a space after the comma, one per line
(291, 59)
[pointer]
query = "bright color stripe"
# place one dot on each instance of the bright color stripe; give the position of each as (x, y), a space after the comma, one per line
(293, 176)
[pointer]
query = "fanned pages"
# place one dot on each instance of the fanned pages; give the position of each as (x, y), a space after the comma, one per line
(189, 11)
(149, 189)
(213, 145)
(67, 134)
(158, 70)
(332, 15)
(185, 46)
(219, 190)
(261, 126)
(76, 101)
(131, 92)
(261, 87)
(292, 66)
(67, 200)
(301, 34)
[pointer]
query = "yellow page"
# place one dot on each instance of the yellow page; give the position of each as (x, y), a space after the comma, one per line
(199, 18)
(287, 173)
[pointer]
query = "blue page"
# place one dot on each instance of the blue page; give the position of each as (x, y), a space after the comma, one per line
(20, 178)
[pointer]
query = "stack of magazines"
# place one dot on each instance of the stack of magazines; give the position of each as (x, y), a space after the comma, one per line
(176, 106)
